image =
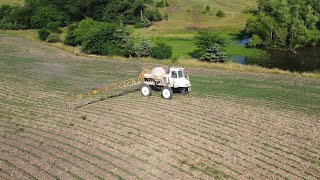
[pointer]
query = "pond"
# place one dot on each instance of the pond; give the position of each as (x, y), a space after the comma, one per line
(307, 59)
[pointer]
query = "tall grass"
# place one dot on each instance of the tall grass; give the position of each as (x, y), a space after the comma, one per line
(11, 2)
(181, 46)
(231, 66)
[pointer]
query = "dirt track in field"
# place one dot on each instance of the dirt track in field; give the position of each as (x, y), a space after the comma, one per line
(132, 137)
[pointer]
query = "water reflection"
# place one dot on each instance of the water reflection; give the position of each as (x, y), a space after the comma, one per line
(307, 59)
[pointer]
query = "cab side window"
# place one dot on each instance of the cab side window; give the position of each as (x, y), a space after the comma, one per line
(174, 74)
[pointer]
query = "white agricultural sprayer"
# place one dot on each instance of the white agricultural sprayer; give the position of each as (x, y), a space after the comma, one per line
(156, 79)
(166, 81)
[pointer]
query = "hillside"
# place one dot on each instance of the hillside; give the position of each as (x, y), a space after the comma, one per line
(188, 15)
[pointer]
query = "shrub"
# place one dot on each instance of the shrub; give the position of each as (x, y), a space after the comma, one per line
(161, 51)
(142, 48)
(128, 47)
(84, 30)
(43, 34)
(54, 26)
(53, 38)
(153, 15)
(197, 54)
(255, 41)
(145, 23)
(220, 14)
(214, 54)
(14, 17)
(208, 8)
(47, 14)
(5, 11)
(70, 37)
(313, 37)
(206, 39)
(160, 4)
(166, 3)
(108, 39)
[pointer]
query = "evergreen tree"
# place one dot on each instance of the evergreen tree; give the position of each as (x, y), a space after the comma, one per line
(214, 54)
(143, 48)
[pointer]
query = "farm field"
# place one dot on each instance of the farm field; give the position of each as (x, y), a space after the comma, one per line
(232, 126)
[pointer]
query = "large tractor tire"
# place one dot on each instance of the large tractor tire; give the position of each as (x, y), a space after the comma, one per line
(167, 93)
(146, 90)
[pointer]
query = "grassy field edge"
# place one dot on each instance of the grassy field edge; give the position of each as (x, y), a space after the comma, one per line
(187, 63)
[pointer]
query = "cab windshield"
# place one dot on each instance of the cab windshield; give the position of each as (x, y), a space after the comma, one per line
(180, 74)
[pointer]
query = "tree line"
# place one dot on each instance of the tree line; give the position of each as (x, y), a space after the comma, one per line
(98, 26)
(56, 13)
(284, 23)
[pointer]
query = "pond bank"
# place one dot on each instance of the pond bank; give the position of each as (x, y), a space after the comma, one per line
(306, 59)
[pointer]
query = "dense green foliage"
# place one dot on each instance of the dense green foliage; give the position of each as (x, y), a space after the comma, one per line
(162, 3)
(14, 17)
(197, 53)
(220, 14)
(161, 51)
(142, 48)
(214, 54)
(285, 23)
(100, 38)
(52, 14)
(85, 29)
(145, 23)
(45, 15)
(209, 46)
(111, 39)
(70, 38)
(43, 34)
(106, 39)
(206, 38)
(255, 41)
(127, 12)
(53, 38)
(128, 47)
(153, 15)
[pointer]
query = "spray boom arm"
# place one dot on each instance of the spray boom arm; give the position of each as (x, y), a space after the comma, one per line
(119, 85)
